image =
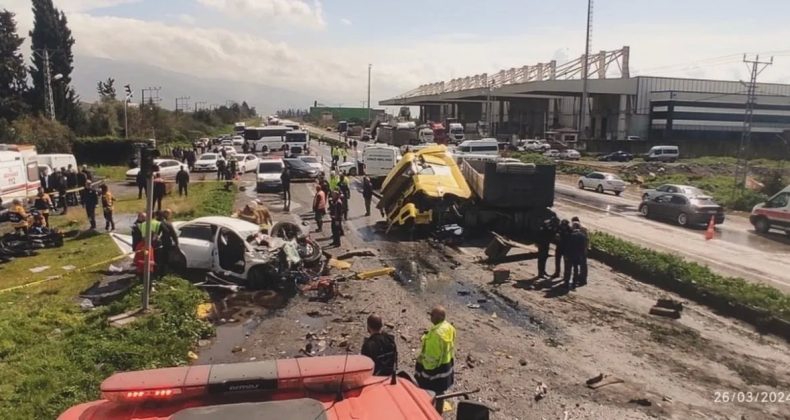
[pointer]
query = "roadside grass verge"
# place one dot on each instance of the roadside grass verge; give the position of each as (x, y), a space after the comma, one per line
(54, 355)
(763, 306)
(111, 173)
(205, 198)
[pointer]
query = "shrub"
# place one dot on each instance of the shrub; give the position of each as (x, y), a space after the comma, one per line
(48, 136)
(104, 150)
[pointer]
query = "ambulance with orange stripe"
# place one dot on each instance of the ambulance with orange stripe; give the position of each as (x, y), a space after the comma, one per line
(19, 177)
(773, 214)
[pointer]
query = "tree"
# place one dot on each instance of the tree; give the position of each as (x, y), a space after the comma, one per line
(51, 35)
(13, 74)
(107, 90)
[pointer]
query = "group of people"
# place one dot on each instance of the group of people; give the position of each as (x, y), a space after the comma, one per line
(227, 167)
(570, 255)
(164, 242)
(332, 196)
(337, 153)
(188, 156)
(64, 180)
(434, 369)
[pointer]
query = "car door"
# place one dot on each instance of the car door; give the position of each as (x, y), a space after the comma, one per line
(660, 206)
(229, 254)
(196, 241)
(677, 204)
(252, 162)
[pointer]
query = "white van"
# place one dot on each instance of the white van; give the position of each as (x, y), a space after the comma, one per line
(662, 154)
(488, 146)
(380, 159)
(773, 214)
(56, 161)
(268, 175)
(425, 135)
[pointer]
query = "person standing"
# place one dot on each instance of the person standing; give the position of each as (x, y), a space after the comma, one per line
(87, 173)
(44, 180)
(577, 247)
(43, 204)
(319, 207)
(380, 347)
(137, 233)
(18, 216)
(345, 194)
(344, 153)
(168, 242)
(336, 216)
(182, 179)
(220, 169)
(285, 179)
(583, 261)
(546, 233)
(367, 193)
(559, 252)
(191, 158)
(160, 190)
(107, 203)
(91, 201)
(334, 181)
(82, 180)
(141, 185)
(434, 370)
(63, 186)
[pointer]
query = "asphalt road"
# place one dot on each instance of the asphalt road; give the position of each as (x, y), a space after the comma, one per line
(736, 249)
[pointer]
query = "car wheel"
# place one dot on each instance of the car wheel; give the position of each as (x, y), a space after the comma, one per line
(644, 210)
(617, 193)
(599, 188)
(581, 185)
(683, 219)
(310, 251)
(761, 225)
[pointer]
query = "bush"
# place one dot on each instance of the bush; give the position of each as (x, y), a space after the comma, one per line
(105, 150)
(48, 136)
(677, 274)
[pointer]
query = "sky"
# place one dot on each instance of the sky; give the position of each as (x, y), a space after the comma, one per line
(322, 48)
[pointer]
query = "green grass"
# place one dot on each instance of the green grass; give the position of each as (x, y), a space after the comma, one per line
(205, 198)
(54, 355)
(112, 173)
(665, 267)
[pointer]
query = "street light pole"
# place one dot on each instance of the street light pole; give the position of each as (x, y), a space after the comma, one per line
(48, 76)
(370, 120)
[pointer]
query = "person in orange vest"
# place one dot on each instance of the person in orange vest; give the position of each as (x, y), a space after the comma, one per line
(19, 216)
(43, 204)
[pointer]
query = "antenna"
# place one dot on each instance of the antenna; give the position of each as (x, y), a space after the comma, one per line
(339, 396)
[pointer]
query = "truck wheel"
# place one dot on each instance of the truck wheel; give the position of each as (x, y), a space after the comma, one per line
(761, 225)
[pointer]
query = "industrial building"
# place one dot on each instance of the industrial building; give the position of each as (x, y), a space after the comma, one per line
(531, 100)
(323, 113)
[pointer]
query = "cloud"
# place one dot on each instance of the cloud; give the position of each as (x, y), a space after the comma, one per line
(299, 11)
(345, 21)
(185, 18)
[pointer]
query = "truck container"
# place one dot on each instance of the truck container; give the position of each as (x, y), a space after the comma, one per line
(401, 134)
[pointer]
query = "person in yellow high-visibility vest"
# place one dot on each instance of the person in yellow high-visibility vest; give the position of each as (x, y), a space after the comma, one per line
(334, 181)
(434, 369)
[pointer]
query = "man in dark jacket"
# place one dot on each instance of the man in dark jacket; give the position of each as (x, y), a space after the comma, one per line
(63, 186)
(141, 185)
(583, 263)
(137, 232)
(90, 200)
(576, 248)
(563, 233)
(336, 213)
(220, 169)
(182, 179)
(160, 189)
(82, 181)
(367, 193)
(168, 242)
(285, 179)
(380, 347)
(546, 233)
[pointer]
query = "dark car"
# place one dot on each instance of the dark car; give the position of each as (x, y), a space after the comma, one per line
(618, 156)
(686, 211)
(300, 169)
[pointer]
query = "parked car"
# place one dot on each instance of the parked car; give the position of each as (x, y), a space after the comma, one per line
(349, 167)
(207, 162)
(312, 161)
(773, 214)
(687, 190)
(570, 154)
(248, 163)
(686, 211)
(237, 140)
(533, 146)
(300, 169)
(268, 175)
(168, 168)
(226, 143)
(229, 150)
(552, 154)
(602, 182)
(618, 156)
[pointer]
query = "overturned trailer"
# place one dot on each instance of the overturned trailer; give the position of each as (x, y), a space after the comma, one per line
(428, 187)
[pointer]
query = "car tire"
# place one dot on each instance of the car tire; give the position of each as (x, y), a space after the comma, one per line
(599, 189)
(761, 225)
(310, 251)
(683, 219)
(617, 193)
(581, 185)
(644, 210)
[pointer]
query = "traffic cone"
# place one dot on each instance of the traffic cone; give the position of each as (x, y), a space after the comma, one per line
(710, 232)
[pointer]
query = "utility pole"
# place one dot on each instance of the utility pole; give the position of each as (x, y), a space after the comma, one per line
(370, 120)
(48, 86)
(742, 169)
(128, 89)
(585, 71)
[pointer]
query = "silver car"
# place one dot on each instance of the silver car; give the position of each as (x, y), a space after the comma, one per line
(602, 182)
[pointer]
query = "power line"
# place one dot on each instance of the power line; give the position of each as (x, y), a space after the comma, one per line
(742, 169)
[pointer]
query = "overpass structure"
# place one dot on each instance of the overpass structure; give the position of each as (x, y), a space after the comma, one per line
(530, 100)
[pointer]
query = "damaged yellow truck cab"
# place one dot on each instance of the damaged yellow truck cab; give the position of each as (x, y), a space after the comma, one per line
(423, 185)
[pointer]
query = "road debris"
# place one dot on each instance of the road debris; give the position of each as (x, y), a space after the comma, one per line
(39, 269)
(364, 252)
(383, 271)
(340, 265)
(540, 391)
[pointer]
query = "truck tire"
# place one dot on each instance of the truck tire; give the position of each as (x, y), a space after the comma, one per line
(761, 225)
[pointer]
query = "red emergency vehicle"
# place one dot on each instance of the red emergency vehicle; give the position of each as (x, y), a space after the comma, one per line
(329, 388)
